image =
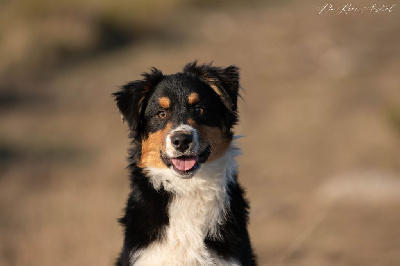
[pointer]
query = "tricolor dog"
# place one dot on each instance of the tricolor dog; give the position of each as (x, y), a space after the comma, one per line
(186, 206)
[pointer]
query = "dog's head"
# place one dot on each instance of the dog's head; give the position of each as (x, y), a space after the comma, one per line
(183, 120)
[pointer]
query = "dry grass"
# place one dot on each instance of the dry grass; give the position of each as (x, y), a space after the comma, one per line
(317, 92)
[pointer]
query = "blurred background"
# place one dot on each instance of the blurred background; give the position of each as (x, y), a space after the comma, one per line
(320, 119)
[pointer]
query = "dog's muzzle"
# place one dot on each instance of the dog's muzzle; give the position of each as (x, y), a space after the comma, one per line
(183, 153)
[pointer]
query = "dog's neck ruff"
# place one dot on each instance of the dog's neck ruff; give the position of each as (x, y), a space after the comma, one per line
(197, 207)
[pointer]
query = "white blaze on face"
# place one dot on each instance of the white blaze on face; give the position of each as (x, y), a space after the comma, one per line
(171, 151)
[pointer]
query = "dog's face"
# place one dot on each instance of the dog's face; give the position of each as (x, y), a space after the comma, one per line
(183, 120)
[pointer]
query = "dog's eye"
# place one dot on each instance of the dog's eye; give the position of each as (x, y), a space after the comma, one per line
(199, 110)
(162, 114)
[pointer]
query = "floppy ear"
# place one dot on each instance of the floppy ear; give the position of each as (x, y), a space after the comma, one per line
(224, 81)
(131, 96)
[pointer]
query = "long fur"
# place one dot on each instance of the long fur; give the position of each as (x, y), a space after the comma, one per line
(186, 206)
(198, 207)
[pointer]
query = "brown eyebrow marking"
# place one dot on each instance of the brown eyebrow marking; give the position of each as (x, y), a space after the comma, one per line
(193, 98)
(164, 102)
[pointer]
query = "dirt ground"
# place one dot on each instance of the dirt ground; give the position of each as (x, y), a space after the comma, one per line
(321, 139)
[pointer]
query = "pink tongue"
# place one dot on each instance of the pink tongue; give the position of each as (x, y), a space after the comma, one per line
(184, 163)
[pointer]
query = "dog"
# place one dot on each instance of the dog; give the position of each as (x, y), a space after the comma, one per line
(185, 206)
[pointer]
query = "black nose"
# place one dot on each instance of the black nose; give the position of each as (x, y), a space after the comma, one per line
(181, 141)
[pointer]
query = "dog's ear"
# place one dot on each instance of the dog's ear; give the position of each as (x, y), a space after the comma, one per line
(131, 97)
(224, 81)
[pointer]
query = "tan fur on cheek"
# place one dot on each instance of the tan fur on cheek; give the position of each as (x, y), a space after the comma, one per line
(214, 137)
(151, 147)
(219, 144)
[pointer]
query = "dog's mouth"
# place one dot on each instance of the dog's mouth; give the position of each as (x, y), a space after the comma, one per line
(187, 165)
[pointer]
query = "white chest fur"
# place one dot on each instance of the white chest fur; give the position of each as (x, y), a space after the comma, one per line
(199, 204)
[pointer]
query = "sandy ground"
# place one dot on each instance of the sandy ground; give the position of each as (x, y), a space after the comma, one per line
(321, 145)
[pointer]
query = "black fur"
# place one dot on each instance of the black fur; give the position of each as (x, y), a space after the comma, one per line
(236, 241)
(146, 214)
